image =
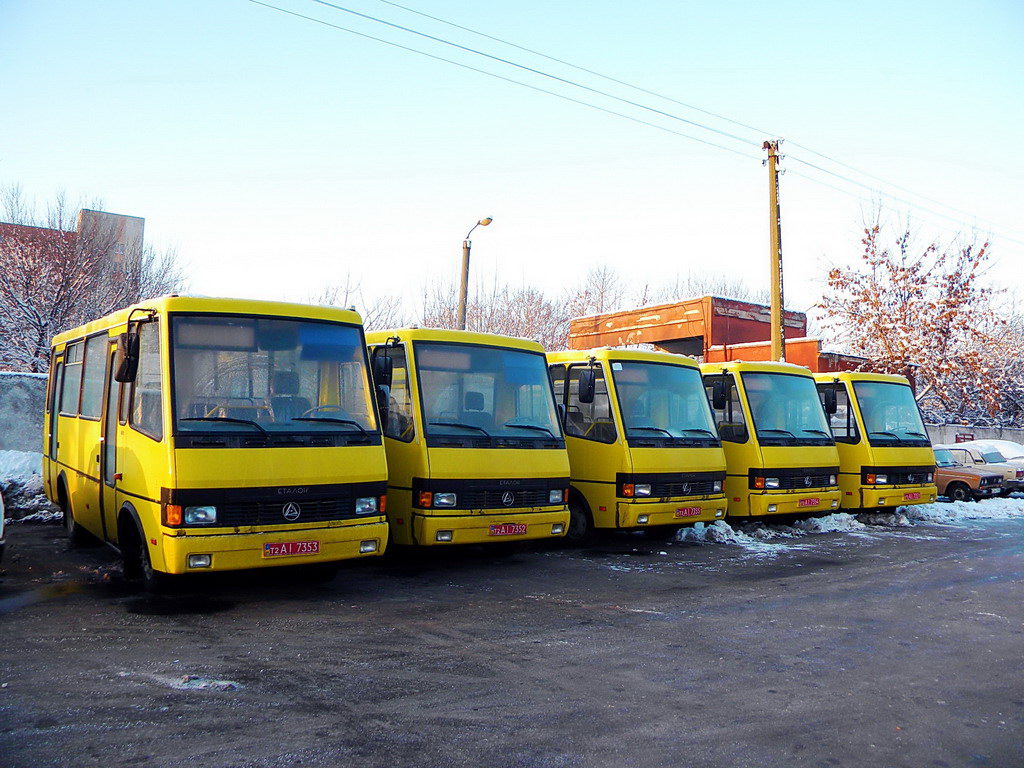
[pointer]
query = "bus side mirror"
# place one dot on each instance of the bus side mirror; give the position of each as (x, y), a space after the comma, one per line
(718, 398)
(383, 367)
(830, 401)
(561, 413)
(587, 386)
(126, 358)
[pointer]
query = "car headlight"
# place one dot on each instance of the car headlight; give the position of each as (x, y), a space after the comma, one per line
(200, 515)
(366, 505)
(771, 482)
(717, 486)
(444, 499)
(643, 489)
(556, 497)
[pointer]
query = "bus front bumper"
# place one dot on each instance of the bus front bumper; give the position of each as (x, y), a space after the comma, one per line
(521, 525)
(646, 514)
(237, 551)
(802, 503)
(872, 497)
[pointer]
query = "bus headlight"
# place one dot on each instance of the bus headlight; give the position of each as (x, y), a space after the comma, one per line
(717, 487)
(642, 489)
(771, 482)
(366, 505)
(931, 477)
(200, 515)
(556, 497)
(881, 479)
(444, 499)
(833, 479)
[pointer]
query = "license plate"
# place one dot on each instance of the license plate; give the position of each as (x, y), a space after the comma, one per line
(911, 496)
(508, 529)
(808, 502)
(291, 548)
(688, 511)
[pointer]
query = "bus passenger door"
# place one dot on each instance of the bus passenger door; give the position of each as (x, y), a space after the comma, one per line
(108, 452)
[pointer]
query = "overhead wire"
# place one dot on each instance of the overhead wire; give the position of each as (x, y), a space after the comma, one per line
(716, 115)
(503, 78)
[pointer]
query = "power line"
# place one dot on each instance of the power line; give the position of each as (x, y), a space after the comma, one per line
(503, 78)
(535, 71)
(687, 105)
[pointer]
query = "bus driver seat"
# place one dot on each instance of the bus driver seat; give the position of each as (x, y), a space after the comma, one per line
(285, 399)
(473, 411)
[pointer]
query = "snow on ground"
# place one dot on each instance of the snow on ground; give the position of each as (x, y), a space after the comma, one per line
(21, 483)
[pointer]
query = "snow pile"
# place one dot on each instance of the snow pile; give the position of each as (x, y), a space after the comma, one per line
(21, 483)
(895, 519)
(837, 521)
(955, 512)
(757, 538)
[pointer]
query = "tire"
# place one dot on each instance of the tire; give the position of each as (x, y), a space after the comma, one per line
(661, 532)
(138, 566)
(77, 535)
(581, 525)
(959, 492)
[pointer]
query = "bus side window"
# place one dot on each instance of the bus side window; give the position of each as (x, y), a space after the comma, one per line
(92, 378)
(72, 382)
(147, 390)
(591, 421)
(399, 422)
(557, 375)
(731, 423)
(843, 422)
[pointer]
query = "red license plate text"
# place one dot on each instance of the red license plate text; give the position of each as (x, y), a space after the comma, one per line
(508, 529)
(290, 548)
(910, 496)
(808, 502)
(688, 511)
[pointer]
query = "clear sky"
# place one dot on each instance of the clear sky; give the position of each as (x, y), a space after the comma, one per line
(277, 154)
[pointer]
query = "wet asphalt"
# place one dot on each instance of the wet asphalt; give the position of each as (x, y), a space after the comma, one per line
(884, 647)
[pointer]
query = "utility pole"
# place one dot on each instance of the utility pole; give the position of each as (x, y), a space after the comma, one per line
(775, 233)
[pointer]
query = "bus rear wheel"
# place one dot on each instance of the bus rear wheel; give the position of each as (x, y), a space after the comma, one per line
(77, 535)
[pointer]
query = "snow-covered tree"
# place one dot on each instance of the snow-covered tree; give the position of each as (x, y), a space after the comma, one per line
(926, 313)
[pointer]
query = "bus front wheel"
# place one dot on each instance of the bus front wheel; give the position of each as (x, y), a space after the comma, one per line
(137, 564)
(581, 526)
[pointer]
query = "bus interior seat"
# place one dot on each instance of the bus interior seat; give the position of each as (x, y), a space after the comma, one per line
(473, 410)
(286, 402)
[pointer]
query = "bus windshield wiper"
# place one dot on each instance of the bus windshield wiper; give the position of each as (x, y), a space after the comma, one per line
(653, 429)
(890, 434)
(817, 432)
(228, 419)
(459, 424)
(782, 431)
(707, 432)
(537, 427)
(919, 434)
(355, 424)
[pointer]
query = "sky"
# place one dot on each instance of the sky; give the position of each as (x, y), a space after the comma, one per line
(277, 155)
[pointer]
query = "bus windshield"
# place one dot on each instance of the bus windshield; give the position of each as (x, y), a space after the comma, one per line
(471, 392)
(890, 414)
(663, 403)
(786, 409)
(237, 374)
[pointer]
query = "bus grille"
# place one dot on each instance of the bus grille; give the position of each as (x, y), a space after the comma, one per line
(683, 488)
(492, 498)
(272, 513)
(799, 482)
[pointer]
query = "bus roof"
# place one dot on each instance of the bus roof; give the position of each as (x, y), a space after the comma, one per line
(889, 378)
(455, 337)
(612, 353)
(764, 366)
(175, 303)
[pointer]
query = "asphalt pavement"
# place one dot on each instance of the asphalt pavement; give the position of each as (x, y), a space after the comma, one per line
(880, 647)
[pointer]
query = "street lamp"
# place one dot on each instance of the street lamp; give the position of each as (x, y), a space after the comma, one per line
(464, 284)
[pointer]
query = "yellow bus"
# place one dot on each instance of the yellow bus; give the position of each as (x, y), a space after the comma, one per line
(643, 449)
(200, 434)
(885, 455)
(475, 449)
(780, 454)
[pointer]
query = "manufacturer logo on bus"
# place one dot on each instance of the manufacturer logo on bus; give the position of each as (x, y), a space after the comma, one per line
(808, 481)
(291, 511)
(508, 498)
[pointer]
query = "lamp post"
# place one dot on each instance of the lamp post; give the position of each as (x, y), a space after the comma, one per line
(464, 284)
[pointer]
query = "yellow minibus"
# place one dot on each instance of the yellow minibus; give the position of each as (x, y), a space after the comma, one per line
(201, 434)
(643, 449)
(780, 455)
(885, 455)
(474, 445)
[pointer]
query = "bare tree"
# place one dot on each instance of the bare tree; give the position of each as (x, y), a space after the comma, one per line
(53, 278)
(378, 313)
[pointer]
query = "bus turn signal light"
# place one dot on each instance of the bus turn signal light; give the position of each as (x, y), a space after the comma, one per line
(172, 514)
(426, 498)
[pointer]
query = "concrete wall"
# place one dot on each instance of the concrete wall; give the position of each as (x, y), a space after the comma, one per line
(22, 397)
(945, 434)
